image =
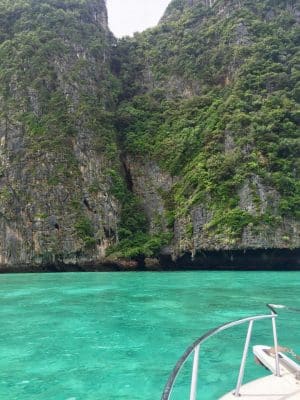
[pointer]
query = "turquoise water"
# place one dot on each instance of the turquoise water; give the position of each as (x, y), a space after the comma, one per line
(110, 336)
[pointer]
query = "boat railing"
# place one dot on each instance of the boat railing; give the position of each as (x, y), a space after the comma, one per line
(195, 349)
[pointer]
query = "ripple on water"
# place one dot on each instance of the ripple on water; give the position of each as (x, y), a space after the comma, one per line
(117, 336)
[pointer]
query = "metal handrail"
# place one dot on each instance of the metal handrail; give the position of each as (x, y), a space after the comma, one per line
(195, 347)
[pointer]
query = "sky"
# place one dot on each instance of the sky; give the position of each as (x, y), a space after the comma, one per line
(128, 16)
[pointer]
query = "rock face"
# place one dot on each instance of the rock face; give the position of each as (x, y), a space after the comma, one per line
(176, 8)
(150, 184)
(57, 142)
(203, 87)
(180, 141)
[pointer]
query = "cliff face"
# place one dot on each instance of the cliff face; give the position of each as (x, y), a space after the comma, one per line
(181, 140)
(214, 106)
(57, 141)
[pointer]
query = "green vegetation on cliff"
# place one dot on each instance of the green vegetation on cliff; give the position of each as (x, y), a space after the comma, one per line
(212, 94)
(56, 128)
(182, 138)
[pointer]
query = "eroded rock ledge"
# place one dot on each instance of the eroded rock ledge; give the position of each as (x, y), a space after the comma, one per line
(246, 260)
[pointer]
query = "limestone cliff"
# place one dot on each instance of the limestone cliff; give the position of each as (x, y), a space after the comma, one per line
(213, 102)
(178, 144)
(57, 141)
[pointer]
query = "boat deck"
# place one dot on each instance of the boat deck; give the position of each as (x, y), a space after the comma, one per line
(270, 387)
(283, 382)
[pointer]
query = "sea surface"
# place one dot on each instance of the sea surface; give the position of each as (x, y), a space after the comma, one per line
(117, 336)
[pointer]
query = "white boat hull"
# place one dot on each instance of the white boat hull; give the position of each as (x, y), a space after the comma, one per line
(268, 388)
(284, 387)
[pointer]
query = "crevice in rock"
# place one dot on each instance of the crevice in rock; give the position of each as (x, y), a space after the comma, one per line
(87, 204)
(106, 232)
(109, 233)
(127, 174)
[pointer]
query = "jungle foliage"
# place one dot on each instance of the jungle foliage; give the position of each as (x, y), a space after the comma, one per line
(213, 97)
(211, 94)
